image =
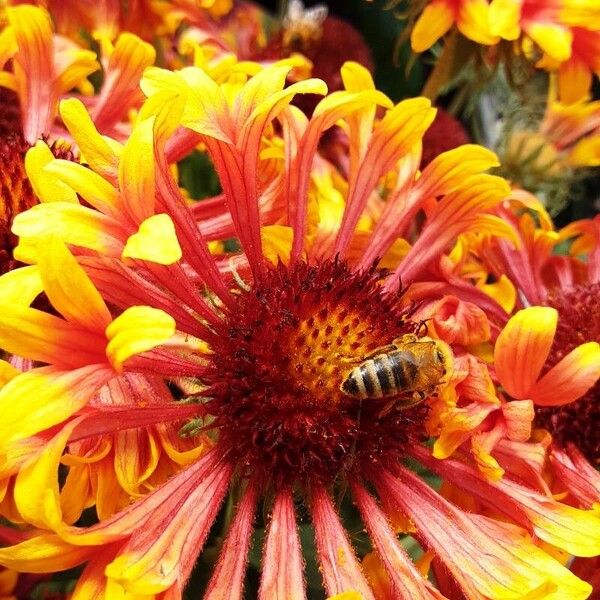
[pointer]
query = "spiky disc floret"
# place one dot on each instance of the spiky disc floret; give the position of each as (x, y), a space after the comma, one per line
(577, 422)
(278, 366)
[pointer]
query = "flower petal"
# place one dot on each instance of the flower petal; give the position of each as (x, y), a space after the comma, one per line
(571, 529)
(89, 185)
(47, 187)
(44, 554)
(36, 487)
(136, 172)
(474, 21)
(21, 286)
(341, 571)
(282, 580)
(406, 582)
(488, 558)
(553, 38)
(70, 290)
(72, 223)
(574, 81)
(120, 90)
(434, 22)
(95, 149)
(570, 379)
(137, 329)
(32, 30)
(522, 348)
(155, 241)
(227, 581)
(164, 550)
(504, 16)
(43, 397)
(40, 336)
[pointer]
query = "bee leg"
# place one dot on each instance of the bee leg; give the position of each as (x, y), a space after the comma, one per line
(419, 396)
(422, 328)
(380, 350)
(386, 409)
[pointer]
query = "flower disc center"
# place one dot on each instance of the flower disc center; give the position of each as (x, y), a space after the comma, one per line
(577, 422)
(279, 363)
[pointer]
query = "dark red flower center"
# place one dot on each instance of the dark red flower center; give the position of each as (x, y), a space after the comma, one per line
(278, 366)
(578, 422)
(16, 194)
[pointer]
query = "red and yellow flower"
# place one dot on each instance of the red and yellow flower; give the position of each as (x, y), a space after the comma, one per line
(264, 330)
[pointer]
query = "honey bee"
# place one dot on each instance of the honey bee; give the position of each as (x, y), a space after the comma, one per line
(411, 367)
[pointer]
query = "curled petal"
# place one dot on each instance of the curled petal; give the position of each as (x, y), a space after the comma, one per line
(47, 186)
(155, 241)
(137, 329)
(102, 156)
(459, 322)
(36, 487)
(522, 348)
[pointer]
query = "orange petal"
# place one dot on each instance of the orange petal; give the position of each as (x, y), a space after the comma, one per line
(522, 348)
(574, 81)
(32, 29)
(406, 581)
(44, 554)
(570, 379)
(489, 559)
(434, 22)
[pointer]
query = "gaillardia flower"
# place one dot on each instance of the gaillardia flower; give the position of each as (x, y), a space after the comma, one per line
(258, 336)
(564, 335)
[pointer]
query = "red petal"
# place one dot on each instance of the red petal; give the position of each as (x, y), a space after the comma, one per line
(406, 581)
(227, 581)
(341, 570)
(282, 561)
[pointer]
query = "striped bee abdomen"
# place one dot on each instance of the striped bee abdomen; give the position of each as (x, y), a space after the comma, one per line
(382, 376)
(404, 368)
(408, 365)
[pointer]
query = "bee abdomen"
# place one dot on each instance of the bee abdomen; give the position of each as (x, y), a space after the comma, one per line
(404, 369)
(374, 378)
